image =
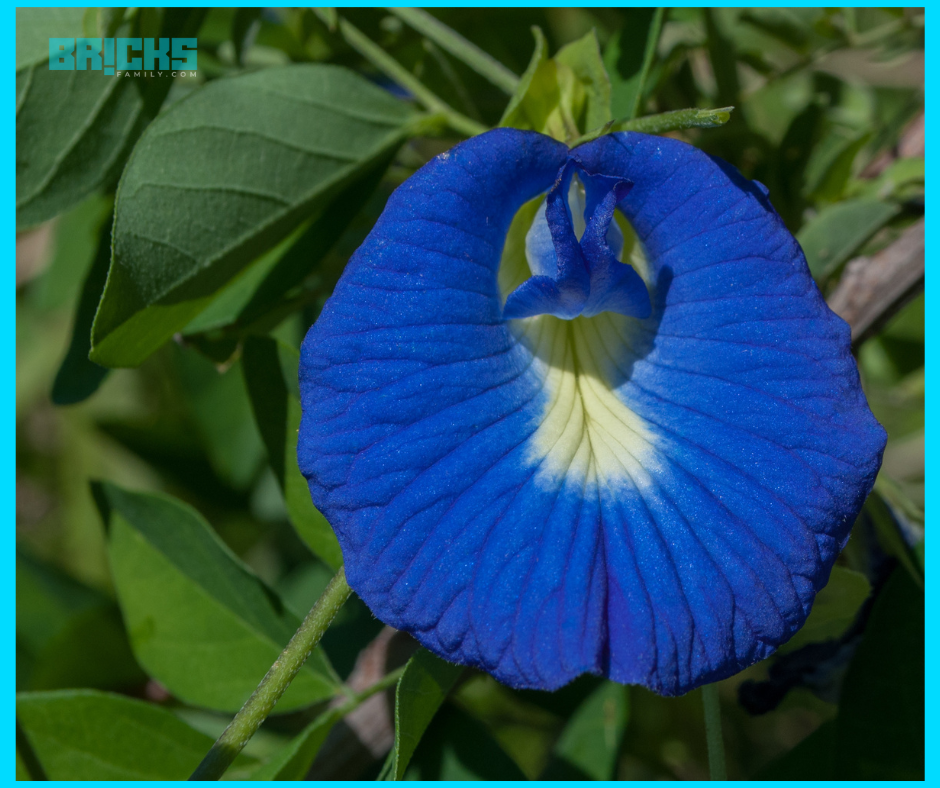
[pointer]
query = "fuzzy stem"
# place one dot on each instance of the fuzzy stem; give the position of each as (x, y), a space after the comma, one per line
(276, 681)
(666, 121)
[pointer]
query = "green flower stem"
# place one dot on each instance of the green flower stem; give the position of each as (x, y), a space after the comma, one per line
(278, 679)
(665, 121)
(716, 747)
(395, 71)
(449, 40)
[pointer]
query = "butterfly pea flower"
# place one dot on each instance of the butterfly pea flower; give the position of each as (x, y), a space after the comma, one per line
(585, 411)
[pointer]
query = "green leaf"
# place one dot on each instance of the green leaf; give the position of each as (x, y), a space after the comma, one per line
(721, 53)
(521, 111)
(254, 301)
(78, 378)
(462, 49)
(200, 622)
(590, 742)
(457, 747)
(827, 181)
(109, 21)
(525, 724)
(34, 28)
(425, 684)
(22, 769)
(68, 635)
(270, 369)
(590, 90)
(881, 711)
(901, 177)
(836, 232)
(222, 176)
(86, 735)
(889, 534)
(629, 56)
(294, 761)
(221, 412)
(73, 131)
(879, 731)
(833, 610)
(662, 123)
(563, 96)
(538, 103)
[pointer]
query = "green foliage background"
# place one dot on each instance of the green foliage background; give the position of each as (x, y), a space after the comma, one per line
(178, 237)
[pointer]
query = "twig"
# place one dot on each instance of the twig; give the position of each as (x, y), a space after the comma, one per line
(873, 289)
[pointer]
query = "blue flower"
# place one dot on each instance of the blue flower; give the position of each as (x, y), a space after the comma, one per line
(543, 462)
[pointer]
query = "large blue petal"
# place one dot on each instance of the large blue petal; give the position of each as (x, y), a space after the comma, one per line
(655, 500)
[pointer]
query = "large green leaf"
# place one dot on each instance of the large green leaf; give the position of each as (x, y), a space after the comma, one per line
(881, 712)
(199, 620)
(830, 237)
(294, 761)
(221, 415)
(86, 735)
(73, 130)
(629, 56)
(256, 300)
(35, 26)
(222, 176)
(422, 689)
(879, 731)
(67, 634)
(458, 747)
(589, 744)
(888, 531)
(270, 369)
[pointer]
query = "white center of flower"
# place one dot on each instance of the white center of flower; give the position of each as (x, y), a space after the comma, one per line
(586, 432)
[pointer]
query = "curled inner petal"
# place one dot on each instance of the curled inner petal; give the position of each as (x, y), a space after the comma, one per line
(614, 287)
(577, 273)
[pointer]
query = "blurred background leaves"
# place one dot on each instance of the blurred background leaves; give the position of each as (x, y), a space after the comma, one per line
(829, 114)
